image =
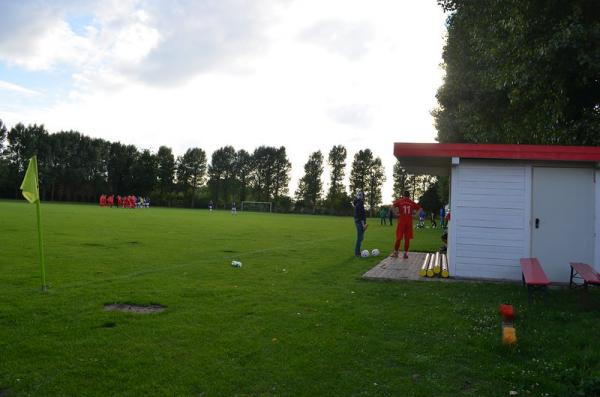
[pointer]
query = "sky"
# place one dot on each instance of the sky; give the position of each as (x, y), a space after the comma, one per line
(305, 74)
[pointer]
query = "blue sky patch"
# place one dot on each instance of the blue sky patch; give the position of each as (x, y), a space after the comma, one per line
(79, 22)
(52, 86)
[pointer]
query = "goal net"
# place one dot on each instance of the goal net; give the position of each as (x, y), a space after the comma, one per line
(258, 206)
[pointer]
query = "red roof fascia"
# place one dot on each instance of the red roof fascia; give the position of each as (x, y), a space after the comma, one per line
(493, 151)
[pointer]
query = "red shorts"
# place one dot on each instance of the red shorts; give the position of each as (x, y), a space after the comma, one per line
(404, 230)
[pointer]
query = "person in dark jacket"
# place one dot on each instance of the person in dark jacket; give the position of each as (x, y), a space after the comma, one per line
(391, 215)
(360, 220)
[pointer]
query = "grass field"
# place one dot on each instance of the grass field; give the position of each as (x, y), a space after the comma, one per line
(296, 319)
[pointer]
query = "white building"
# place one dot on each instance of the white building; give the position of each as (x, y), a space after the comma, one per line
(515, 201)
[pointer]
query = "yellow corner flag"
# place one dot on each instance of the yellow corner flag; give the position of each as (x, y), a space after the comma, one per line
(31, 192)
(30, 182)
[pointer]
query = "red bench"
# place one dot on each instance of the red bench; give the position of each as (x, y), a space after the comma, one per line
(533, 275)
(583, 271)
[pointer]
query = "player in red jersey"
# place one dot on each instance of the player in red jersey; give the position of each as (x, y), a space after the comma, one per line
(404, 230)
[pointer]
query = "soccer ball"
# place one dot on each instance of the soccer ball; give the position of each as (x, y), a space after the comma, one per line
(365, 253)
(375, 252)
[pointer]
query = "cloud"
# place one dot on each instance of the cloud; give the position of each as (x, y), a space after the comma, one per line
(355, 115)
(158, 42)
(21, 27)
(202, 36)
(5, 85)
(36, 36)
(348, 39)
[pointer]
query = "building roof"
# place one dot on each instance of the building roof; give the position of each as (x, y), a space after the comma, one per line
(435, 158)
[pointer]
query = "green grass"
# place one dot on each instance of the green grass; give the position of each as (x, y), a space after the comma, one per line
(296, 319)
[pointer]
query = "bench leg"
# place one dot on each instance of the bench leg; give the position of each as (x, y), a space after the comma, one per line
(571, 279)
(545, 293)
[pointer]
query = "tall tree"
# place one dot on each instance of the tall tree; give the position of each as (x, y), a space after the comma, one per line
(337, 163)
(100, 168)
(243, 174)
(361, 170)
(71, 162)
(191, 171)
(3, 132)
(61, 149)
(120, 163)
(221, 173)
(402, 180)
(521, 71)
(271, 172)
(262, 181)
(92, 164)
(5, 182)
(166, 169)
(281, 169)
(145, 173)
(443, 190)
(375, 180)
(420, 184)
(310, 186)
(430, 199)
(23, 142)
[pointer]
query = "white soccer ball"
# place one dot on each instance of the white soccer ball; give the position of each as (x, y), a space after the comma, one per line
(375, 252)
(365, 253)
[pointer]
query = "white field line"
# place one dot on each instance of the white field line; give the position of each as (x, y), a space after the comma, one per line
(226, 257)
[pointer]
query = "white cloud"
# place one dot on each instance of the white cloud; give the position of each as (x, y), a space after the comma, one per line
(355, 114)
(5, 85)
(134, 42)
(349, 39)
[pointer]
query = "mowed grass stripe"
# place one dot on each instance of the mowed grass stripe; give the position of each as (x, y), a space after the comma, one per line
(215, 259)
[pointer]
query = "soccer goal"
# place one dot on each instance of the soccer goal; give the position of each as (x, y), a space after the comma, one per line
(259, 206)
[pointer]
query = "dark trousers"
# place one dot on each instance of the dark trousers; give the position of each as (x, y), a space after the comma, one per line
(360, 234)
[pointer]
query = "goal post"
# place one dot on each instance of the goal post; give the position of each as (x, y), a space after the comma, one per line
(258, 206)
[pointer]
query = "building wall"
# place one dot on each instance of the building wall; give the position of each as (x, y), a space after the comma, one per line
(490, 229)
(597, 218)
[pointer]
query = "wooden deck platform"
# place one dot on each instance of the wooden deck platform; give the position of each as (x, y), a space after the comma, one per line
(401, 269)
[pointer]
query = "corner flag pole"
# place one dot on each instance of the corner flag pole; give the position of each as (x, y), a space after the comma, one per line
(31, 192)
(41, 245)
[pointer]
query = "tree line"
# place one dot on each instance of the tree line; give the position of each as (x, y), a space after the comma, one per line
(75, 167)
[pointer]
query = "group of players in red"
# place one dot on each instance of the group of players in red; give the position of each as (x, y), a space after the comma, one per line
(130, 201)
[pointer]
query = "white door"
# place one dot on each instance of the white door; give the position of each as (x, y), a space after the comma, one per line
(562, 216)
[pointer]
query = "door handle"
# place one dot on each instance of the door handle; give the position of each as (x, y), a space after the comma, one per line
(537, 223)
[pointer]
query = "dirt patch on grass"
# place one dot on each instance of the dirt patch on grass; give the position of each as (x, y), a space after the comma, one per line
(98, 245)
(132, 308)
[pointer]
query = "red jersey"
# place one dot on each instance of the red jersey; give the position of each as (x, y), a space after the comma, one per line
(406, 207)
